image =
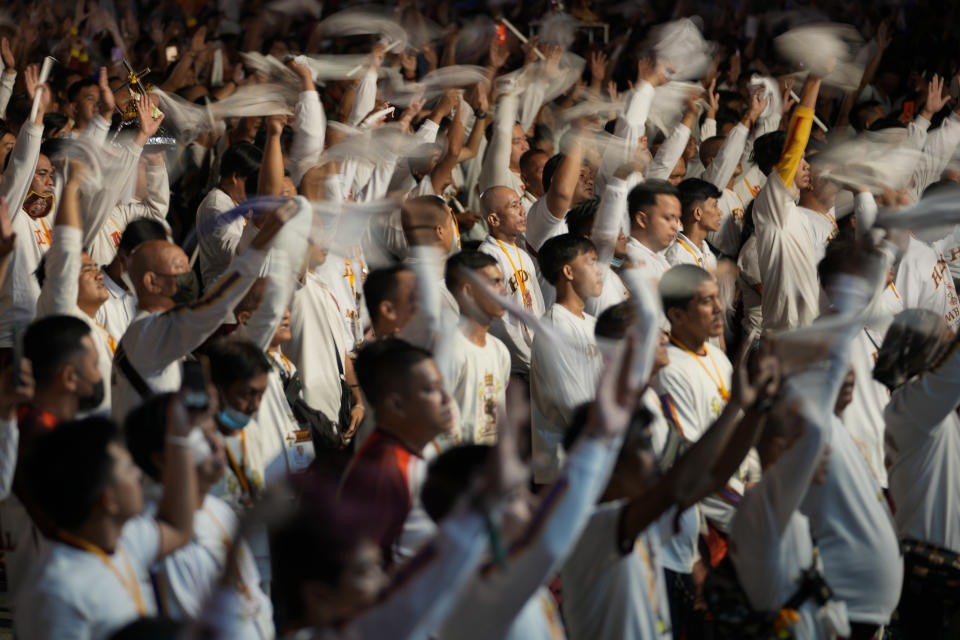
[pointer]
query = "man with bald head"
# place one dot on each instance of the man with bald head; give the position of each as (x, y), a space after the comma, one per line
(507, 220)
(170, 321)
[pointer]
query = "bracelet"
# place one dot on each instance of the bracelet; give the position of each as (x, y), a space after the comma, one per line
(481, 115)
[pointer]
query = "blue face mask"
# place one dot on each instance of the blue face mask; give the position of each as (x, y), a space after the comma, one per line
(232, 419)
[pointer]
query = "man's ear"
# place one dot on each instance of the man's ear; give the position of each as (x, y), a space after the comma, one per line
(567, 272)
(68, 377)
(675, 315)
(697, 214)
(640, 219)
(243, 316)
(493, 219)
(108, 502)
(394, 403)
(151, 282)
(387, 310)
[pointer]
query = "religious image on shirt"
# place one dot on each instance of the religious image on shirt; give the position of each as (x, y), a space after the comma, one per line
(487, 393)
(513, 286)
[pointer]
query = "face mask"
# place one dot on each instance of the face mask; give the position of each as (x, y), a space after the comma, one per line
(188, 288)
(94, 400)
(232, 419)
(198, 445)
(36, 205)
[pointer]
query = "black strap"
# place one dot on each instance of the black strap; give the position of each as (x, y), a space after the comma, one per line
(122, 361)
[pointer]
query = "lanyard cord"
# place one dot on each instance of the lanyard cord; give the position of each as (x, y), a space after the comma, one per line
(721, 387)
(130, 583)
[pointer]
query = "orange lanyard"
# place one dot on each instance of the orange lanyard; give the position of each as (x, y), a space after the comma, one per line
(456, 229)
(238, 470)
(894, 289)
(111, 342)
(687, 247)
(348, 272)
(828, 217)
(718, 381)
(523, 288)
(130, 582)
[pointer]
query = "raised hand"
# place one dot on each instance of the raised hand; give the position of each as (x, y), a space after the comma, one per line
(758, 102)
(305, 75)
(498, 54)
(936, 99)
(713, 99)
(148, 123)
(755, 379)
(107, 101)
(788, 99)
(598, 69)
(530, 48)
(6, 53)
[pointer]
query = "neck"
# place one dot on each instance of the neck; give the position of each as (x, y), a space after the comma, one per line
(115, 271)
(90, 307)
(274, 348)
(55, 401)
(474, 331)
(696, 234)
(414, 442)
(503, 237)
(569, 299)
(687, 339)
(640, 236)
(80, 124)
(232, 190)
(101, 532)
(817, 201)
(151, 302)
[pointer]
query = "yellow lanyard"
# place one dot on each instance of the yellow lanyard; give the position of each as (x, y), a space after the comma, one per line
(238, 470)
(687, 247)
(829, 218)
(456, 229)
(527, 302)
(130, 582)
(348, 272)
(718, 381)
(111, 342)
(894, 289)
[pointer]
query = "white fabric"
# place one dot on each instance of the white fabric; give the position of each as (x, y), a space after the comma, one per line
(477, 380)
(59, 603)
(218, 244)
(924, 282)
(727, 236)
(542, 224)
(652, 265)
(517, 337)
(119, 310)
(562, 376)
(751, 286)
(822, 228)
(685, 251)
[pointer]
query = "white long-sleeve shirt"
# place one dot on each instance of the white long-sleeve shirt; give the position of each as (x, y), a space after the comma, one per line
(310, 129)
(923, 280)
(218, 245)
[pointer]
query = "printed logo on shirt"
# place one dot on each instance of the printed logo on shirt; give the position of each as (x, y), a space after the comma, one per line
(737, 215)
(488, 391)
(939, 272)
(115, 238)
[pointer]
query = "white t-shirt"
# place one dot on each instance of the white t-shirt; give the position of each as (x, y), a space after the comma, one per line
(854, 531)
(727, 236)
(822, 228)
(925, 477)
(218, 244)
(520, 277)
(608, 595)
(345, 274)
(543, 225)
(786, 257)
(685, 251)
(695, 387)
(187, 577)
(561, 378)
(950, 248)
(477, 380)
(863, 417)
(924, 282)
(119, 310)
(651, 264)
(75, 594)
(614, 292)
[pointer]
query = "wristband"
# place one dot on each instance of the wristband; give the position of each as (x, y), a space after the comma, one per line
(481, 115)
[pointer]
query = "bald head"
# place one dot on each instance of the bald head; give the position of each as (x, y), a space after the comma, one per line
(504, 212)
(426, 222)
(495, 199)
(154, 266)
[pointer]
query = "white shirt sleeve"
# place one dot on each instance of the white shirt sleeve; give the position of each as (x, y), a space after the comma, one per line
(263, 322)
(61, 286)
(708, 129)
(9, 442)
(21, 167)
(496, 163)
(725, 163)
(7, 81)
(365, 98)
(122, 169)
(427, 131)
(310, 128)
(96, 131)
(937, 152)
(669, 153)
(928, 399)
(630, 127)
(610, 214)
(917, 133)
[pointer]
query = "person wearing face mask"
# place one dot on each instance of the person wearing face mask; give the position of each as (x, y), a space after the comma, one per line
(68, 382)
(171, 322)
(71, 283)
(479, 364)
(187, 576)
(120, 308)
(564, 376)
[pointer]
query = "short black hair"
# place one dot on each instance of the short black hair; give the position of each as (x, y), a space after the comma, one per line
(233, 360)
(74, 90)
(54, 148)
(694, 192)
(858, 113)
(678, 285)
(767, 150)
(581, 217)
(560, 251)
(139, 231)
(145, 430)
(471, 261)
(380, 285)
(614, 321)
(242, 160)
(50, 343)
(449, 476)
(549, 169)
(646, 193)
(528, 156)
(385, 361)
(53, 122)
(77, 450)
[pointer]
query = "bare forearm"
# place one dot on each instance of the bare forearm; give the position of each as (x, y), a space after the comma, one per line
(270, 182)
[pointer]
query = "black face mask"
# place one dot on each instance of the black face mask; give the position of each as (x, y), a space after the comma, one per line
(94, 400)
(188, 288)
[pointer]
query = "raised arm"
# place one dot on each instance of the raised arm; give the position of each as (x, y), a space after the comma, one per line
(26, 151)
(440, 177)
(724, 165)
(58, 296)
(9, 76)
(496, 162)
(366, 95)
(564, 183)
(270, 182)
(798, 132)
(309, 126)
(175, 512)
(672, 148)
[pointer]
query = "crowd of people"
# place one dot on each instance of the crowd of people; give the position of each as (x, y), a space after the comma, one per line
(441, 320)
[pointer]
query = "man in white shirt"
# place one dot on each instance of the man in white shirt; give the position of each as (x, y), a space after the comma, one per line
(923, 279)
(479, 364)
(164, 331)
(583, 221)
(566, 182)
(531, 172)
(120, 308)
(218, 238)
(103, 538)
(184, 579)
(507, 220)
(562, 376)
(700, 216)
(654, 208)
(696, 383)
(390, 295)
